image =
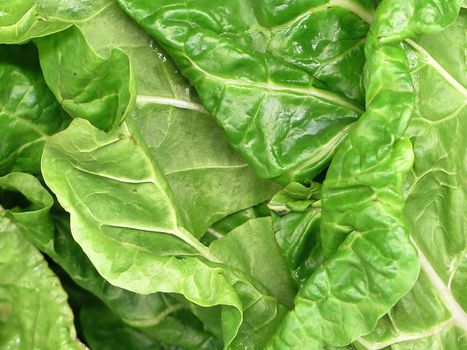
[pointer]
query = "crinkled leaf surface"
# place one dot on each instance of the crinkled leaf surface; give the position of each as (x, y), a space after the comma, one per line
(103, 93)
(370, 262)
(433, 315)
(34, 313)
(22, 20)
(284, 101)
(29, 112)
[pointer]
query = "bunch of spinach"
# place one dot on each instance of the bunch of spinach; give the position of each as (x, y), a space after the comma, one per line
(245, 174)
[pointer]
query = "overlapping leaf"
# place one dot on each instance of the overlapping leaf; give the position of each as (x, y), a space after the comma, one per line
(29, 113)
(33, 306)
(284, 101)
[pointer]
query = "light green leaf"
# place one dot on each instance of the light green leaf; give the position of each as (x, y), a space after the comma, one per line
(33, 306)
(29, 112)
(284, 100)
(22, 20)
(370, 262)
(433, 315)
(130, 228)
(103, 93)
(208, 179)
(251, 248)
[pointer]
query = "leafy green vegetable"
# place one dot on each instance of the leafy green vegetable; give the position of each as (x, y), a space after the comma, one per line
(144, 197)
(362, 225)
(103, 93)
(128, 241)
(432, 315)
(33, 309)
(28, 111)
(23, 20)
(104, 330)
(297, 217)
(284, 101)
(208, 179)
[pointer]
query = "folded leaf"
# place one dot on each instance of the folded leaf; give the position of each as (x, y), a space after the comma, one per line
(251, 248)
(22, 20)
(103, 93)
(433, 315)
(284, 101)
(296, 214)
(370, 262)
(29, 112)
(33, 310)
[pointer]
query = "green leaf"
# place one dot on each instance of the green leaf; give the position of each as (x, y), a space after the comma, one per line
(370, 262)
(103, 93)
(208, 179)
(161, 316)
(230, 222)
(33, 307)
(433, 314)
(130, 228)
(29, 112)
(284, 101)
(296, 216)
(22, 20)
(104, 330)
(251, 248)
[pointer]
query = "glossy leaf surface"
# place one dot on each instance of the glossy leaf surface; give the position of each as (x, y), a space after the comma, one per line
(370, 262)
(28, 110)
(433, 315)
(285, 102)
(130, 229)
(208, 179)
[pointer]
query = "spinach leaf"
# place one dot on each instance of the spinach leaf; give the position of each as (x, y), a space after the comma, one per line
(208, 179)
(29, 114)
(278, 95)
(131, 230)
(103, 93)
(433, 314)
(34, 313)
(104, 330)
(23, 20)
(370, 262)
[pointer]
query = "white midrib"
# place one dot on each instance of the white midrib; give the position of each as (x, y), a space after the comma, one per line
(313, 92)
(156, 320)
(439, 68)
(353, 7)
(169, 101)
(458, 314)
(207, 167)
(406, 337)
(348, 5)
